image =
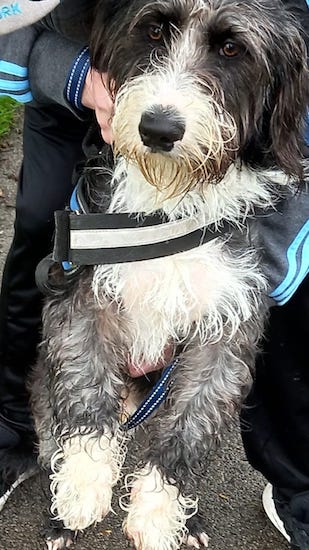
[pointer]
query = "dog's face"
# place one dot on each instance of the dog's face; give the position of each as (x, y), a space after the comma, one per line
(200, 83)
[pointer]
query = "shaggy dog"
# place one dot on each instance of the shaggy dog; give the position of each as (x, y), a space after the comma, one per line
(210, 98)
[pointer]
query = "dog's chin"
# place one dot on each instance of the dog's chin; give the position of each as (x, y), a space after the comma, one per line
(178, 171)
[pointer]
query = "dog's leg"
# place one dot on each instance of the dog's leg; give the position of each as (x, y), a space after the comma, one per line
(83, 352)
(39, 383)
(56, 536)
(166, 512)
(157, 512)
(208, 387)
(85, 470)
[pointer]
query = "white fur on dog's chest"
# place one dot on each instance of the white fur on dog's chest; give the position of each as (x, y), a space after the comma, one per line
(186, 282)
(165, 298)
(202, 290)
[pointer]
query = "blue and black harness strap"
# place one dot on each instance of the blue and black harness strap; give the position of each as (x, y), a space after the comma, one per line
(157, 395)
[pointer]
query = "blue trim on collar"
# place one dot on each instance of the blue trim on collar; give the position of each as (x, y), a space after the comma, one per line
(157, 395)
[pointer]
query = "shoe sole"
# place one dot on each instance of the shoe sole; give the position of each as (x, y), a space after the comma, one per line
(19, 480)
(271, 512)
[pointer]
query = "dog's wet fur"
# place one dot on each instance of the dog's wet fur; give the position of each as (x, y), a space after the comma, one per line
(210, 102)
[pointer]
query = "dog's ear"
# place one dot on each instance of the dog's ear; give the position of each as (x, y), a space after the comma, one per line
(107, 26)
(288, 104)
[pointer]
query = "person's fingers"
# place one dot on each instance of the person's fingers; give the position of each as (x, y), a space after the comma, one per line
(103, 98)
(97, 96)
(104, 119)
(107, 135)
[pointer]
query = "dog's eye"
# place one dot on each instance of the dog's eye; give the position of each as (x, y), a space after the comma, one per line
(155, 32)
(230, 49)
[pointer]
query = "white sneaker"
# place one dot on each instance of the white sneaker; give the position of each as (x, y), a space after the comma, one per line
(271, 512)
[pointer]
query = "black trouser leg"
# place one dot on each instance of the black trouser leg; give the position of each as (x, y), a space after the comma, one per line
(276, 432)
(52, 147)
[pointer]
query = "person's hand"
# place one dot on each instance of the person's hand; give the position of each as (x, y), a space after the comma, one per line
(97, 96)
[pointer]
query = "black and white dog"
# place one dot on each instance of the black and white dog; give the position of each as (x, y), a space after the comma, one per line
(210, 100)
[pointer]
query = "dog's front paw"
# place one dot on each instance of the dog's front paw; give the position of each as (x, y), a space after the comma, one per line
(57, 537)
(80, 500)
(157, 513)
(196, 536)
(85, 471)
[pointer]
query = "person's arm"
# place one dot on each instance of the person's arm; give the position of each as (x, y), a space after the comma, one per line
(22, 13)
(59, 72)
(15, 49)
(37, 66)
(283, 239)
(70, 22)
(45, 67)
(16, 43)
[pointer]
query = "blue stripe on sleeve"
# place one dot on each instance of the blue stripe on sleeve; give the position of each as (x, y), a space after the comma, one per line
(13, 85)
(21, 98)
(298, 266)
(13, 69)
(285, 296)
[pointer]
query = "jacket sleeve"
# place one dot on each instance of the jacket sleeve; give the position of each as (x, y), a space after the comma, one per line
(43, 67)
(17, 37)
(48, 62)
(15, 49)
(59, 61)
(22, 13)
(57, 71)
(282, 236)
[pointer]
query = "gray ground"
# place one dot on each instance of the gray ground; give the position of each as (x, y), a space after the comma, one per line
(230, 496)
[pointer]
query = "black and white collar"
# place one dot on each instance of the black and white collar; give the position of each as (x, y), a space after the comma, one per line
(84, 238)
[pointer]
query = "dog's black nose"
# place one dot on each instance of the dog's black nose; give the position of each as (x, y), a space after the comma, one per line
(160, 128)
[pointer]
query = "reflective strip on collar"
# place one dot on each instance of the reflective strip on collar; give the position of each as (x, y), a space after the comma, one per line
(84, 238)
(89, 239)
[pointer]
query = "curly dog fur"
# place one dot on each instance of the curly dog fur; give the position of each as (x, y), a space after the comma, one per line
(210, 101)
